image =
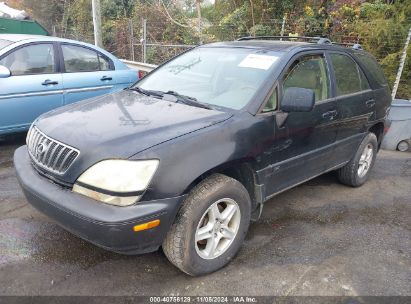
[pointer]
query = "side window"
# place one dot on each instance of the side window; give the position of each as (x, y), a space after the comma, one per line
(372, 66)
(363, 80)
(271, 104)
(309, 72)
(104, 63)
(349, 77)
(31, 59)
(80, 59)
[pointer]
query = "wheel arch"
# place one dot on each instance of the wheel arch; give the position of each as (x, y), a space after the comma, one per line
(241, 169)
(378, 130)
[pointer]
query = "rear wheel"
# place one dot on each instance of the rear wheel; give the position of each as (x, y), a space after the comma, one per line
(210, 226)
(403, 146)
(356, 171)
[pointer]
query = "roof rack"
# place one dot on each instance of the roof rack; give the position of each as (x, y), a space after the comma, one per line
(318, 40)
(357, 46)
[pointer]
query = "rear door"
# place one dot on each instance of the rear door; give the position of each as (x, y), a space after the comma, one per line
(34, 87)
(356, 104)
(378, 82)
(87, 73)
(304, 142)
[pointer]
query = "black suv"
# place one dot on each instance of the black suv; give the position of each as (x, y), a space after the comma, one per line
(186, 157)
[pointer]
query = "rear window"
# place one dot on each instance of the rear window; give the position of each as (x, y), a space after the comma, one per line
(4, 43)
(372, 66)
(80, 59)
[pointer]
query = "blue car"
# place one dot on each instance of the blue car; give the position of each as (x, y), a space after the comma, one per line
(40, 73)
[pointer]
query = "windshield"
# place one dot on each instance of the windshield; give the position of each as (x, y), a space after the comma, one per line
(226, 77)
(4, 43)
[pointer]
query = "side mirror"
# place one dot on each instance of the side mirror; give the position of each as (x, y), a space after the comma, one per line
(4, 72)
(298, 100)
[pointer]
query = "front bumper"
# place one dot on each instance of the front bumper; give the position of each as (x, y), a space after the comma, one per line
(109, 227)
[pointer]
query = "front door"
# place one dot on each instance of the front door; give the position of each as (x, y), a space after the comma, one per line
(33, 88)
(304, 141)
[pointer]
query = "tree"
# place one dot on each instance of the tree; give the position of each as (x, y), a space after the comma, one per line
(380, 26)
(48, 13)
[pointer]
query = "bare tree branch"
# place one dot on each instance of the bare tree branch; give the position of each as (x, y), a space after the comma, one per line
(169, 16)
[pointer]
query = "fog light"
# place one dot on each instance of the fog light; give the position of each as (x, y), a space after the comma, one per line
(146, 226)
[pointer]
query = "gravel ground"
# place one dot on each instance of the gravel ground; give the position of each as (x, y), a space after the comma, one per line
(320, 238)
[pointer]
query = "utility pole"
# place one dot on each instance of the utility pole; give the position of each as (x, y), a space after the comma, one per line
(252, 15)
(144, 41)
(402, 63)
(98, 41)
(130, 27)
(198, 2)
(283, 26)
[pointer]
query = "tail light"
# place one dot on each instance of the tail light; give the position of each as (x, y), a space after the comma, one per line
(387, 126)
(141, 74)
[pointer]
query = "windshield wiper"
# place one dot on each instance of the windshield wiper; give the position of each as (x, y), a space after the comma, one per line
(188, 100)
(146, 92)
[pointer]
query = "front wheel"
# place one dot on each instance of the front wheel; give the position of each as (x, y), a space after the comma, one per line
(210, 226)
(356, 171)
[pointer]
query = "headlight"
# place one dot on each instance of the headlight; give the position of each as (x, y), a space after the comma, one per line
(116, 182)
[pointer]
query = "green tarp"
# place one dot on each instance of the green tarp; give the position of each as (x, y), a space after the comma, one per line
(12, 26)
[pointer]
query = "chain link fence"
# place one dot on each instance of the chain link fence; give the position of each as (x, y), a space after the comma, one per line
(156, 40)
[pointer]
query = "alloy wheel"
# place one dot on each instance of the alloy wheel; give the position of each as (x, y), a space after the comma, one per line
(365, 161)
(217, 228)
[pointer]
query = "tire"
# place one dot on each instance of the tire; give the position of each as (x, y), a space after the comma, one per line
(181, 246)
(350, 173)
(403, 146)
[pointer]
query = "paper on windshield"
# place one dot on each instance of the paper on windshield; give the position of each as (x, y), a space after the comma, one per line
(263, 62)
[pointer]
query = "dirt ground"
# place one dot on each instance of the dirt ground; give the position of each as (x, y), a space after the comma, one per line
(321, 238)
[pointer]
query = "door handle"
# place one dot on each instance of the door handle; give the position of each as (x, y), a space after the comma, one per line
(330, 114)
(49, 82)
(370, 103)
(104, 78)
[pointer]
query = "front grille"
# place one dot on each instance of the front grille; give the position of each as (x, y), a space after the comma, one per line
(49, 153)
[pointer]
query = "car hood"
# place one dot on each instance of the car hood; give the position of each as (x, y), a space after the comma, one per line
(122, 124)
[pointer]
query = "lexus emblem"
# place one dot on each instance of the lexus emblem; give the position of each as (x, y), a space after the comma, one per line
(40, 149)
